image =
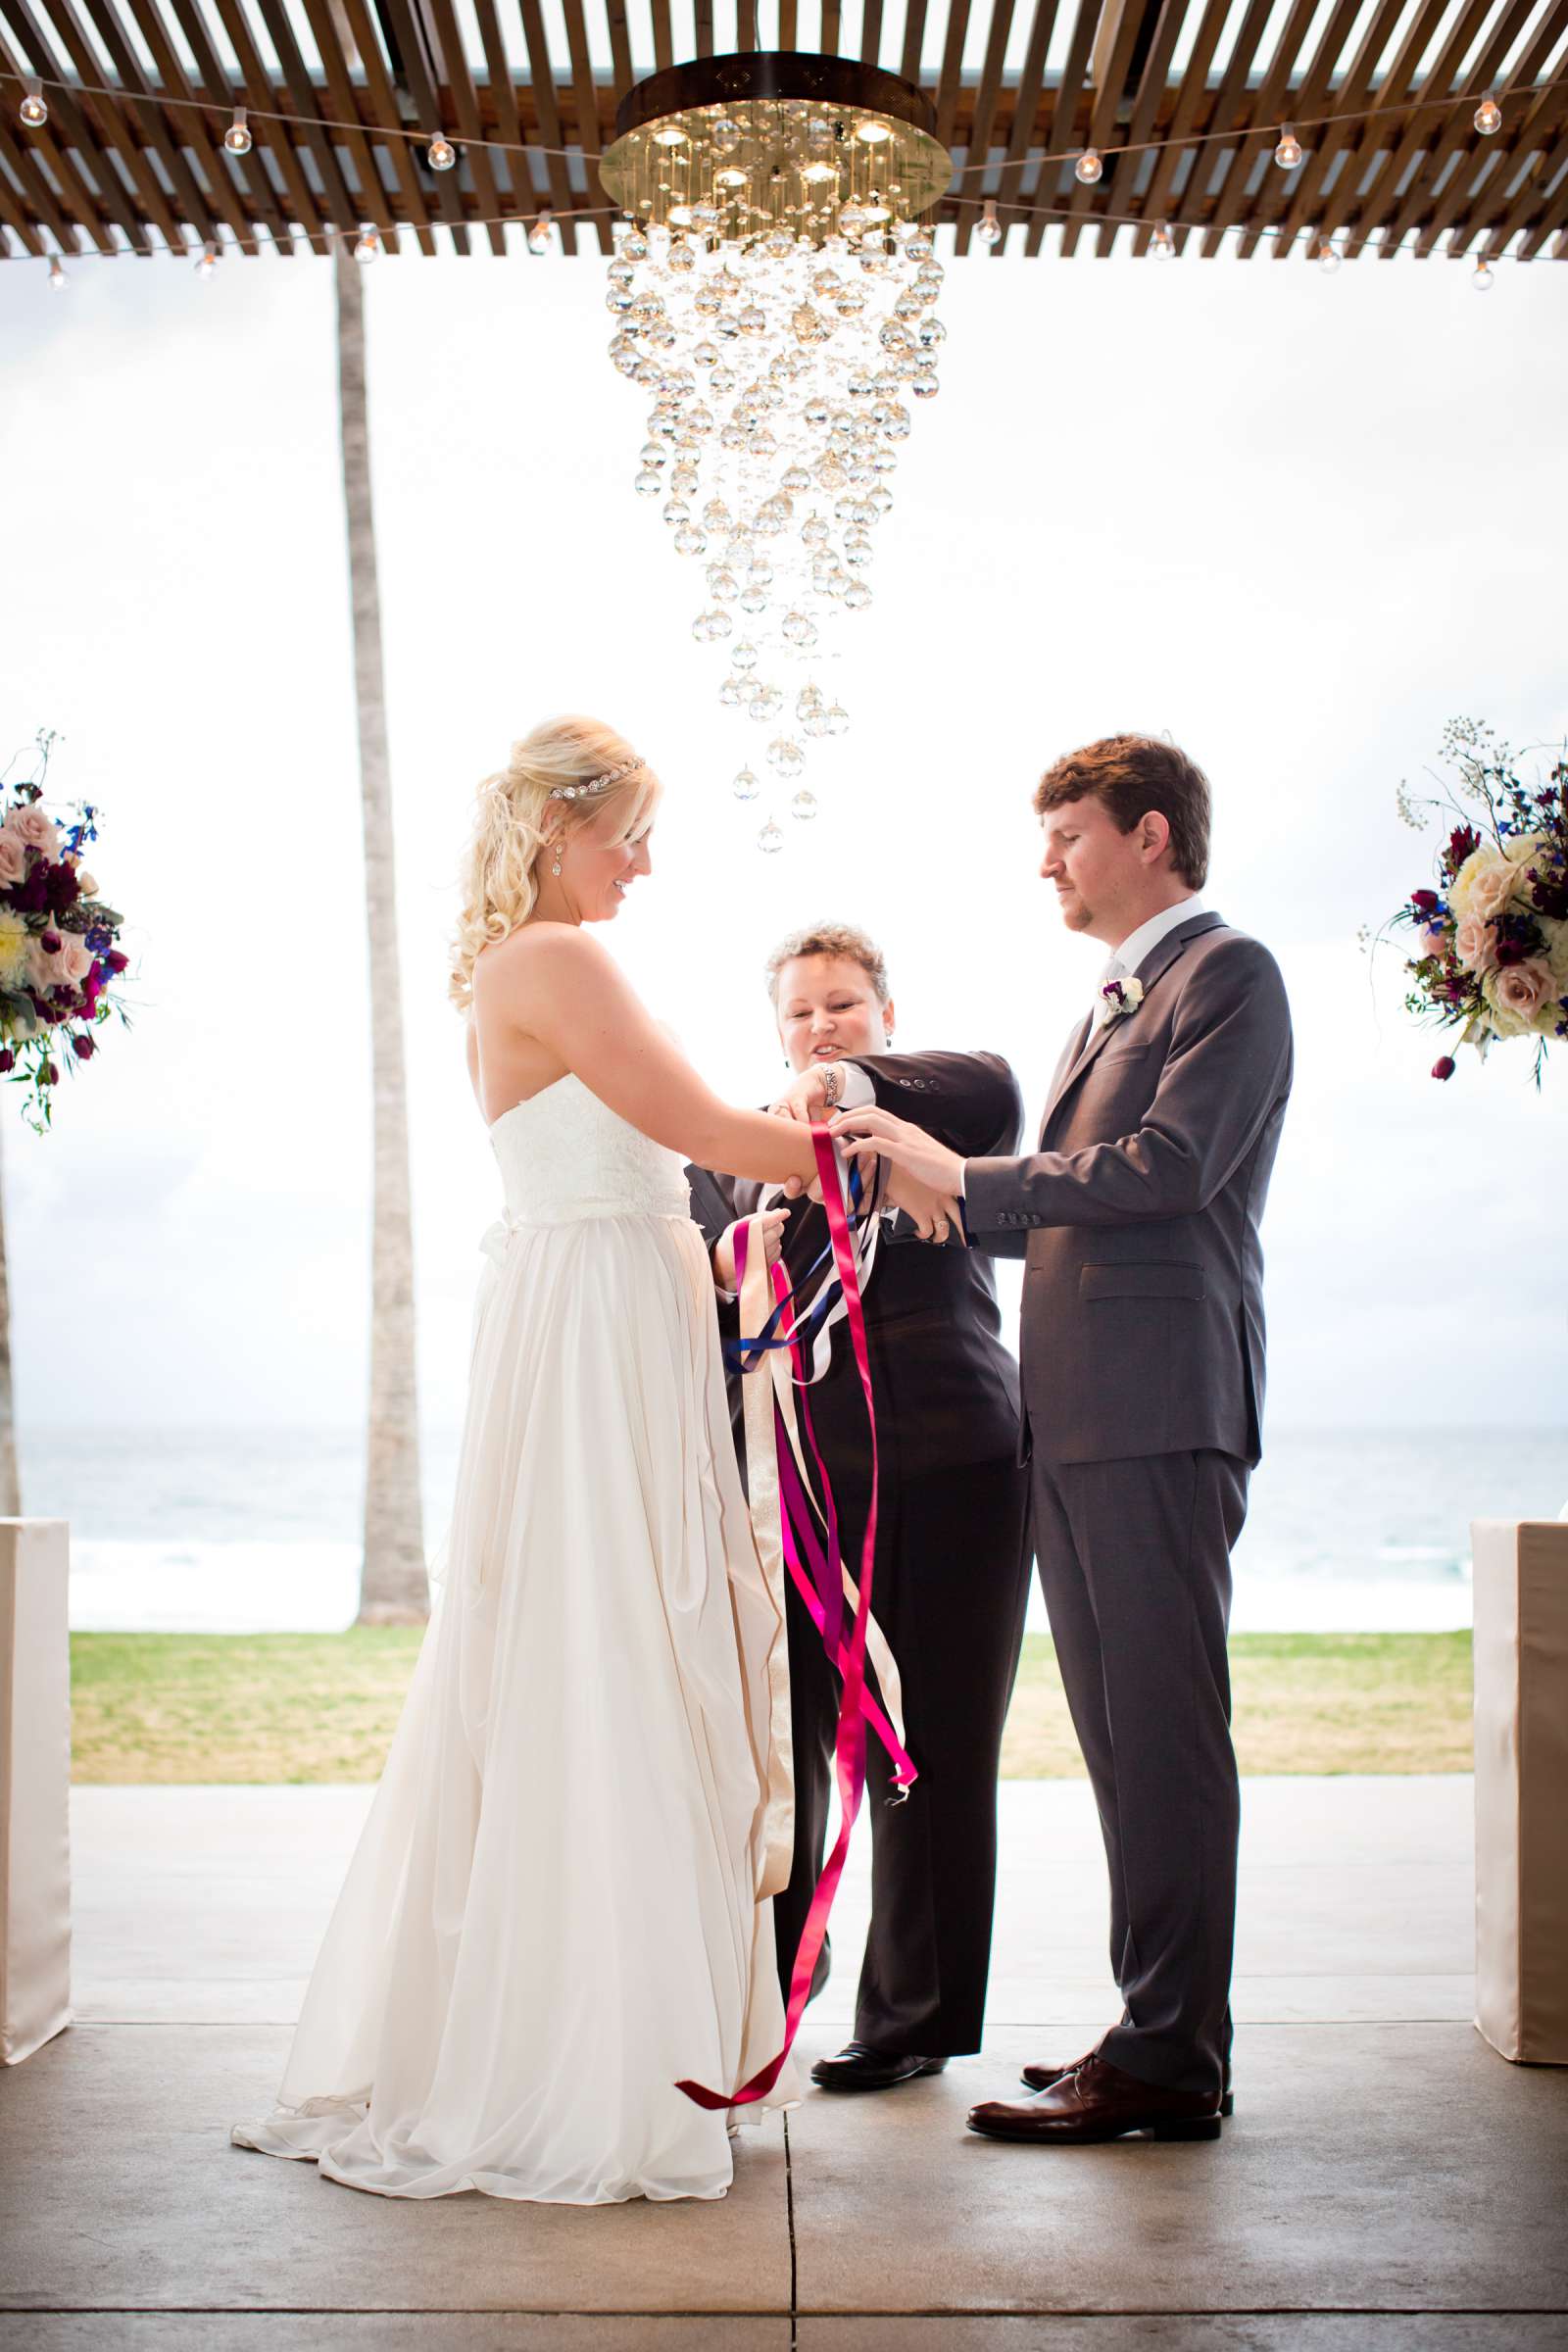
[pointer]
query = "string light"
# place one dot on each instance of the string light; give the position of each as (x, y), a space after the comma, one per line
(1489, 117)
(440, 155)
(207, 260)
(57, 277)
(237, 137)
(1328, 258)
(987, 228)
(369, 245)
(1288, 154)
(1088, 166)
(1162, 244)
(1481, 274)
(539, 233)
(33, 111)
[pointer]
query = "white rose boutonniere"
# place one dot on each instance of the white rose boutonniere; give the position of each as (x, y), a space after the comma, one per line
(1118, 999)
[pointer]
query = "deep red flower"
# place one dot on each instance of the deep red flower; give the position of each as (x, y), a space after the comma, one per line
(1443, 1067)
(8, 1061)
(49, 1075)
(115, 962)
(1424, 902)
(85, 1048)
(50, 943)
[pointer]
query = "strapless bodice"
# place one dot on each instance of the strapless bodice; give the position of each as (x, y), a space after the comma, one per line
(564, 1156)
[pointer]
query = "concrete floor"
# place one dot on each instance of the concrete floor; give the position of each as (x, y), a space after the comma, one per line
(1388, 2181)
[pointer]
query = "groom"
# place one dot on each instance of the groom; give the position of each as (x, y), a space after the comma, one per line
(1141, 1359)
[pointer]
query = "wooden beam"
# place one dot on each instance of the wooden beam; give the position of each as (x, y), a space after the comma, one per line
(1415, 132)
(1211, 162)
(52, 145)
(465, 106)
(1025, 112)
(202, 206)
(586, 108)
(249, 170)
(1393, 89)
(35, 46)
(620, 70)
(411, 45)
(27, 172)
(1111, 63)
(562, 199)
(1191, 95)
(1462, 141)
(913, 39)
(978, 143)
(1268, 102)
(1153, 84)
(1303, 188)
(952, 61)
(1309, 98)
(278, 137)
(1063, 115)
(200, 134)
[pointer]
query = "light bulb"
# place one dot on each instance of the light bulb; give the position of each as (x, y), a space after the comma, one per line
(1482, 276)
(1088, 166)
(369, 245)
(440, 155)
(669, 134)
(208, 260)
(1489, 117)
(539, 233)
(871, 132)
(1162, 244)
(33, 111)
(1288, 154)
(987, 228)
(57, 277)
(237, 137)
(1328, 260)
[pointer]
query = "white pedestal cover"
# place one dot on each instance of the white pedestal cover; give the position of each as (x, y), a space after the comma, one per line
(34, 1785)
(1521, 1666)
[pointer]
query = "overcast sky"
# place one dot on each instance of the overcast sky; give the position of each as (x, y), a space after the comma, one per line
(1298, 521)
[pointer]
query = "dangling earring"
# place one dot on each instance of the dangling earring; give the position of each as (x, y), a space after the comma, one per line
(555, 868)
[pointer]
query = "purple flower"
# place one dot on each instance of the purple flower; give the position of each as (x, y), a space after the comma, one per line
(8, 1061)
(83, 1046)
(1443, 1067)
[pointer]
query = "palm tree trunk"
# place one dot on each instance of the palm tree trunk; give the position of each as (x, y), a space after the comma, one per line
(393, 1588)
(9, 1479)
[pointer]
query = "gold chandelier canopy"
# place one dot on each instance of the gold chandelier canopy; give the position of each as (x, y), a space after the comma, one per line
(737, 148)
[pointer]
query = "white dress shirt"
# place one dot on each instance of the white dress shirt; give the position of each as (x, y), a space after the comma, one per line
(1143, 942)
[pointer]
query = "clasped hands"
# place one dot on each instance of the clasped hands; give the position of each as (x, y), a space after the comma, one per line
(925, 1178)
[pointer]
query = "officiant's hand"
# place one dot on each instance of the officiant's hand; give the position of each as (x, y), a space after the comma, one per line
(772, 1221)
(915, 1160)
(806, 1099)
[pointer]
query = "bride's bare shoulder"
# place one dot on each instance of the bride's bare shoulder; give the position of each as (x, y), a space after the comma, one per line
(536, 952)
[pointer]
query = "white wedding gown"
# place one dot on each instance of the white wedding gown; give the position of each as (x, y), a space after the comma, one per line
(556, 1909)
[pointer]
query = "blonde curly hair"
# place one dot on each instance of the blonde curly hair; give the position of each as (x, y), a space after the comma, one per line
(514, 815)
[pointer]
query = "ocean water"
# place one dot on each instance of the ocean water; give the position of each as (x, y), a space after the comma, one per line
(257, 1530)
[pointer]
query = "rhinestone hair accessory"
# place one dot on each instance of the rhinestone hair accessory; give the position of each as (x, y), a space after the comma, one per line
(586, 792)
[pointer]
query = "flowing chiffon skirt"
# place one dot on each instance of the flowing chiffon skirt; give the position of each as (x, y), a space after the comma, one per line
(554, 1913)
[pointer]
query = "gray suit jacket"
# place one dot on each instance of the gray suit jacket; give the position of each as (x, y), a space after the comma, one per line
(1143, 1300)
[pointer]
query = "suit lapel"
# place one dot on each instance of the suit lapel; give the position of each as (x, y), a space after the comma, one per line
(1153, 967)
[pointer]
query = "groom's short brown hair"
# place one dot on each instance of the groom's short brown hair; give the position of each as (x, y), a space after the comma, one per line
(1129, 775)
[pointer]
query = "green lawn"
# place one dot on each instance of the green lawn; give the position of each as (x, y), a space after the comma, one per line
(322, 1706)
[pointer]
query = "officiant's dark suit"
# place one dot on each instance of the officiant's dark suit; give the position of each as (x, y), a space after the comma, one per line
(1141, 1359)
(951, 1580)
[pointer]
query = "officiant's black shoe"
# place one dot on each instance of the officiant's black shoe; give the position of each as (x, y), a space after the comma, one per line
(1096, 2101)
(1040, 2077)
(859, 2066)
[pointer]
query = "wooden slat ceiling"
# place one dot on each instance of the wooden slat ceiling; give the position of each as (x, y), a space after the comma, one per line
(1183, 99)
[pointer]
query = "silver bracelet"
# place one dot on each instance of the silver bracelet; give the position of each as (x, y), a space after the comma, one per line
(832, 1085)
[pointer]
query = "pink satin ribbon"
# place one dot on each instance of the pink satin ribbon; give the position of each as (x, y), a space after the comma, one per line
(848, 1754)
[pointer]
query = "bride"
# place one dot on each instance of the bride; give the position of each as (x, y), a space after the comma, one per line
(561, 1905)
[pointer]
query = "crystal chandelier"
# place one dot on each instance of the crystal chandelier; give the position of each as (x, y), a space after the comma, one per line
(774, 296)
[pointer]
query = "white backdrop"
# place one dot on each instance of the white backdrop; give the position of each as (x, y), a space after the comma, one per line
(1295, 520)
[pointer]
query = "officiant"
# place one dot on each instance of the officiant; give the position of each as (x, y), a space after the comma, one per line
(951, 1563)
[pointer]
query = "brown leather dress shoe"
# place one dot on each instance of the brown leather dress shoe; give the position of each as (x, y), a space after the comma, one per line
(1096, 2101)
(1040, 2077)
